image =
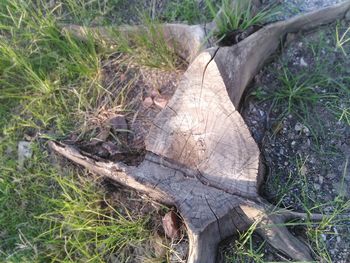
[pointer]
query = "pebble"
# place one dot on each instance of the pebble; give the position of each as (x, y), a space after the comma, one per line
(331, 176)
(317, 186)
(24, 152)
(320, 179)
(298, 127)
(306, 131)
(303, 63)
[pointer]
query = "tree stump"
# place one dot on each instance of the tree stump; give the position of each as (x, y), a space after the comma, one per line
(201, 157)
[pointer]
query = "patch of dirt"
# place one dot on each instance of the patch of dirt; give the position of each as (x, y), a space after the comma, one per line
(307, 149)
(308, 5)
(117, 130)
(289, 8)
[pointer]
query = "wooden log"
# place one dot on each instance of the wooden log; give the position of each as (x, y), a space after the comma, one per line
(201, 157)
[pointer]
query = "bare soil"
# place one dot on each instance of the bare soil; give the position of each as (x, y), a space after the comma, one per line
(305, 151)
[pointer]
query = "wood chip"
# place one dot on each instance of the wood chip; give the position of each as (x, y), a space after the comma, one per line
(160, 101)
(147, 102)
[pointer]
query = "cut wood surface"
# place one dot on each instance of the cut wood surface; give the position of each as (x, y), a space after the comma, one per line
(201, 157)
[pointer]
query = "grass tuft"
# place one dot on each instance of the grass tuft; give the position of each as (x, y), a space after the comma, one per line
(236, 17)
(88, 227)
(188, 11)
(342, 39)
(49, 81)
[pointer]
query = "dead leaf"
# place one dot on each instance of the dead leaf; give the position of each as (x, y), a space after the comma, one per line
(171, 224)
(147, 102)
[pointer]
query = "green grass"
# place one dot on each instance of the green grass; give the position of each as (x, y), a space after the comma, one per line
(48, 216)
(301, 91)
(49, 82)
(237, 17)
(245, 249)
(188, 11)
(318, 97)
(88, 227)
(342, 39)
(45, 71)
(298, 91)
(149, 48)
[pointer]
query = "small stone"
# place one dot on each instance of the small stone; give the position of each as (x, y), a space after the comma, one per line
(147, 102)
(24, 152)
(171, 224)
(303, 63)
(306, 131)
(293, 143)
(331, 176)
(320, 179)
(317, 186)
(298, 127)
(308, 142)
(328, 209)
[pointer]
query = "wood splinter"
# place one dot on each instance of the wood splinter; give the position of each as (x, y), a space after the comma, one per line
(201, 157)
